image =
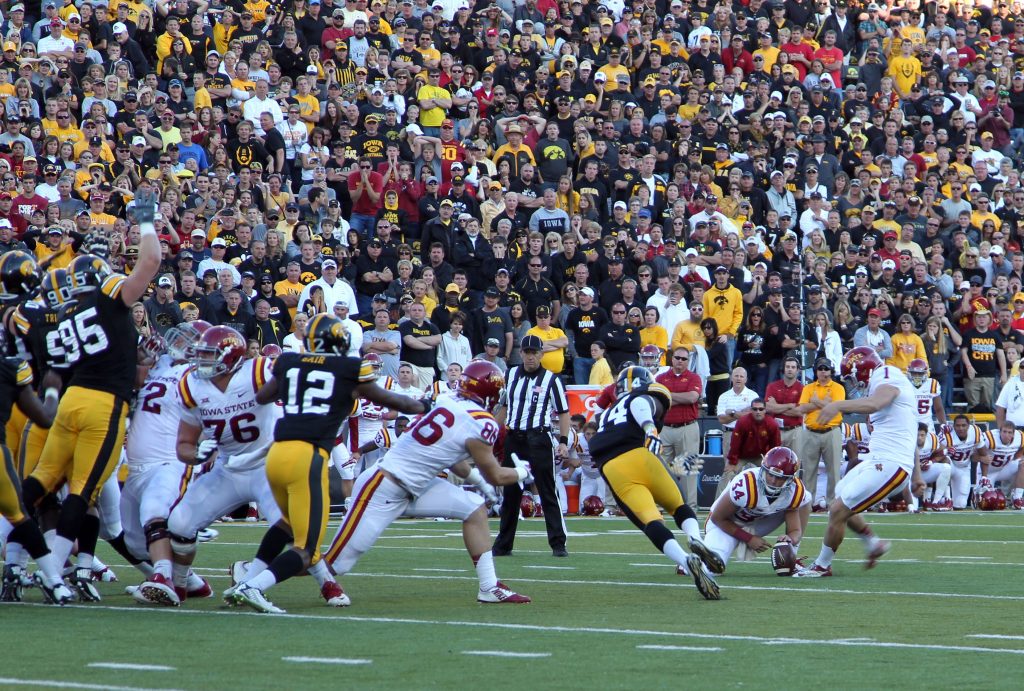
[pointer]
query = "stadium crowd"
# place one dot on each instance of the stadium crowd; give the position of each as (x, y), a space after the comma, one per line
(745, 180)
(742, 199)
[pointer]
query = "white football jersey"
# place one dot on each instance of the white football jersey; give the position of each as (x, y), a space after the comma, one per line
(438, 441)
(242, 427)
(960, 450)
(1002, 454)
(933, 444)
(753, 504)
(153, 434)
(858, 432)
(925, 395)
(894, 427)
(579, 448)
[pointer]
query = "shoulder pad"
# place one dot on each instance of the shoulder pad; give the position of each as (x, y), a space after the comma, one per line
(23, 373)
(366, 373)
(185, 392)
(111, 286)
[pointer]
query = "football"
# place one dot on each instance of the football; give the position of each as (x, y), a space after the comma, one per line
(783, 559)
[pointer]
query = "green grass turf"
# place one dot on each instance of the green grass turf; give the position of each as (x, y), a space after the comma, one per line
(911, 623)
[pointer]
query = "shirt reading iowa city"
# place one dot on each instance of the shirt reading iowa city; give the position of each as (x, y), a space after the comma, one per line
(318, 392)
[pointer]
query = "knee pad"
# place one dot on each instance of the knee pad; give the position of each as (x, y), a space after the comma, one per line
(682, 513)
(32, 492)
(156, 530)
(658, 534)
(182, 546)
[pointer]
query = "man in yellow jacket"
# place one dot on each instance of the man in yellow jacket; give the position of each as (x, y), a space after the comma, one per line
(724, 303)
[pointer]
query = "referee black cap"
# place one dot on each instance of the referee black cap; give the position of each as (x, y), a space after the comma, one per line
(531, 343)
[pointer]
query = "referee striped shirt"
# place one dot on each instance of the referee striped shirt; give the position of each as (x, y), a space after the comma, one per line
(532, 398)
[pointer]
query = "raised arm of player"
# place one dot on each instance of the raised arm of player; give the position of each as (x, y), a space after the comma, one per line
(148, 262)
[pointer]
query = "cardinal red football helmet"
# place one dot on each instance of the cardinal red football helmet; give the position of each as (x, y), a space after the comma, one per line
(779, 463)
(527, 506)
(917, 370)
(375, 361)
(271, 350)
(593, 506)
(481, 382)
(182, 339)
(858, 364)
(220, 350)
(650, 356)
(992, 500)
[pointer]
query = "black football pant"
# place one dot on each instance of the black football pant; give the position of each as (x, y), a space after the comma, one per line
(537, 448)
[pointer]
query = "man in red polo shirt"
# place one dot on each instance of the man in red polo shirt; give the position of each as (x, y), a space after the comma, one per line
(681, 433)
(366, 187)
(754, 435)
(782, 398)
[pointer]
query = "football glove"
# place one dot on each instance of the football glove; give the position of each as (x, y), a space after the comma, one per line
(206, 450)
(145, 206)
(652, 442)
(490, 496)
(523, 471)
(428, 404)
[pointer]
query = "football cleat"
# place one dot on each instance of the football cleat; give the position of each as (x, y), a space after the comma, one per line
(708, 556)
(252, 515)
(1018, 504)
(252, 596)
(81, 581)
(158, 590)
(876, 553)
(207, 534)
(814, 571)
(59, 594)
(702, 579)
(104, 575)
(201, 592)
(501, 593)
(11, 589)
(237, 571)
(334, 595)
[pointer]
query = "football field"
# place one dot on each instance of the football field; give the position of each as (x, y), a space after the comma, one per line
(943, 610)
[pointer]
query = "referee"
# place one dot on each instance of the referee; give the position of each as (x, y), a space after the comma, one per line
(533, 394)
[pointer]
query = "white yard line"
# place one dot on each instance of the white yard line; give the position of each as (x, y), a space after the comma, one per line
(328, 660)
(693, 648)
(442, 570)
(131, 666)
(504, 653)
(995, 636)
(58, 684)
(504, 626)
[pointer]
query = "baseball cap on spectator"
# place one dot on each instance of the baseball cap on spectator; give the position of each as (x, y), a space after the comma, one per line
(977, 280)
(451, 288)
(165, 282)
(199, 233)
(218, 242)
(888, 264)
(329, 264)
(1018, 297)
(185, 255)
(889, 234)
(138, 141)
(589, 292)
(996, 249)
(119, 28)
(873, 312)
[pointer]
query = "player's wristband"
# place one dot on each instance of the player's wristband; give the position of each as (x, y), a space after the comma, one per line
(51, 394)
(474, 477)
(147, 229)
(562, 439)
(743, 535)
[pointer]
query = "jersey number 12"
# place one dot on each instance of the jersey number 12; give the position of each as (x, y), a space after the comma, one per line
(313, 396)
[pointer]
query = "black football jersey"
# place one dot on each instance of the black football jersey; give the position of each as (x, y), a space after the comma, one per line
(617, 431)
(14, 374)
(100, 341)
(318, 392)
(36, 326)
